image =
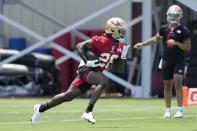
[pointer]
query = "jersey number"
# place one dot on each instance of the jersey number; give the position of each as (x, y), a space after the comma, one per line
(105, 57)
(170, 37)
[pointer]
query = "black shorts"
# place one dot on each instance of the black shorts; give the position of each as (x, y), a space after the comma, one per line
(170, 68)
(81, 80)
(82, 70)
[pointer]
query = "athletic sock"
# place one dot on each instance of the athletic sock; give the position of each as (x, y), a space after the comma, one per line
(44, 107)
(179, 108)
(89, 108)
(168, 109)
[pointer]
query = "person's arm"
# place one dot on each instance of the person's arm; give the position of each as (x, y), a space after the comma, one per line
(117, 64)
(185, 46)
(81, 47)
(154, 40)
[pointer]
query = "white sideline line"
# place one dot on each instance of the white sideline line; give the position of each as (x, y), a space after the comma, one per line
(74, 120)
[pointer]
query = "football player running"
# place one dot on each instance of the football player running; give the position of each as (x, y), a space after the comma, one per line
(109, 49)
(176, 40)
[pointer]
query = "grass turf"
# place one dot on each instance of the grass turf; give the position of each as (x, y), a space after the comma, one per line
(111, 115)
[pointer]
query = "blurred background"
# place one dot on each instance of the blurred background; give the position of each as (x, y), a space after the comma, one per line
(38, 39)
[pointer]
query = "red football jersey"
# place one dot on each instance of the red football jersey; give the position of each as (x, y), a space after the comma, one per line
(102, 46)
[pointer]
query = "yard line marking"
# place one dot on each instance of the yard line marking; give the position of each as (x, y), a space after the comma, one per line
(74, 120)
(77, 111)
(12, 112)
(26, 122)
(14, 123)
(142, 118)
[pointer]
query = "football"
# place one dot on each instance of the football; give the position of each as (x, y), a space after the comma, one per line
(91, 55)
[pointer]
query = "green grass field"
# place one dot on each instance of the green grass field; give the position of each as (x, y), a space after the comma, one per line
(111, 115)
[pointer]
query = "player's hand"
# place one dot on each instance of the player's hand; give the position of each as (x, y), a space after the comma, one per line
(93, 63)
(138, 46)
(124, 52)
(171, 42)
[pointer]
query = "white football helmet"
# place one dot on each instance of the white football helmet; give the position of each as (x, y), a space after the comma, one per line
(117, 28)
(174, 14)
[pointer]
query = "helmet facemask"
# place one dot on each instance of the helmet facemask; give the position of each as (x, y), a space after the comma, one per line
(122, 33)
(173, 18)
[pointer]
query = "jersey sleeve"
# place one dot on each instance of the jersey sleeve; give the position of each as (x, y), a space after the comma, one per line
(95, 42)
(186, 35)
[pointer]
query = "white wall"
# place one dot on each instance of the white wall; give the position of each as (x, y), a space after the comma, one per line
(67, 11)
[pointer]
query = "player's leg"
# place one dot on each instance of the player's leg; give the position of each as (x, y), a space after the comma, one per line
(168, 84)
(167, 75)
(179, 94)
(178, 78)
(69, 95)
(101, 81)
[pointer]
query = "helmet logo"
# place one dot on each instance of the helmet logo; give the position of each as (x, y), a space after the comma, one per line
(115, 23)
